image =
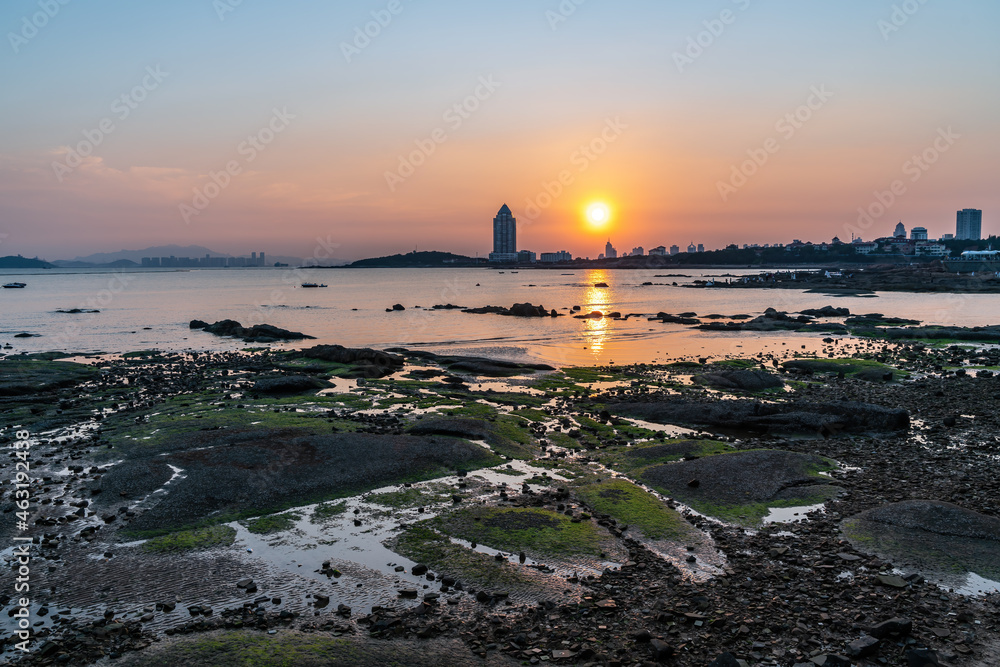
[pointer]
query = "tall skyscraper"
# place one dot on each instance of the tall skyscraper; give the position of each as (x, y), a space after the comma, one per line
(609, 251)
(505, 232)
(900, 232)
(970, 225)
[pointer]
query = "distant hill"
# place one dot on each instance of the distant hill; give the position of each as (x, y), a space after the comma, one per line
(18, 262)
(414, 259)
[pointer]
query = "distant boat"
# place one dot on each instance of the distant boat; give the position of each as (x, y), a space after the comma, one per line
(15, 285)
(312, 285)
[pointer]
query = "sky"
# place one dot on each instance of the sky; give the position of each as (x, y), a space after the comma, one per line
(367, 128)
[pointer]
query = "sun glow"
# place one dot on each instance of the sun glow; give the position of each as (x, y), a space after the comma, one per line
(598, 215)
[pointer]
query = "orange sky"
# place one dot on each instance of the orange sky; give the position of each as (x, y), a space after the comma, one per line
(664, 138)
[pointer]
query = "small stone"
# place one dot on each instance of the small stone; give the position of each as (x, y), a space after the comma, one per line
(892, 581)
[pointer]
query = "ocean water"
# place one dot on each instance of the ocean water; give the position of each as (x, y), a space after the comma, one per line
(151, 309)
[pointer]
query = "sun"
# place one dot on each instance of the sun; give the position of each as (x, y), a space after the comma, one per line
(598, 214)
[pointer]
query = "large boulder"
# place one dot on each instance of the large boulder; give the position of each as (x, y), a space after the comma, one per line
(942, 540)
(259, 333)
(367, 363)
(800, 417)
(288, 384)
(744, 380)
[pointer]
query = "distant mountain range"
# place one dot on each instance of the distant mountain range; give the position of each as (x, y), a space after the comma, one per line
(131, 258)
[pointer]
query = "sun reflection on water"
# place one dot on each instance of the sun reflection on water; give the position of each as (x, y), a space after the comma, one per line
(597, 331)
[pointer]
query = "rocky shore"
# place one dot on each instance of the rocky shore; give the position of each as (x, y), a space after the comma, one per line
(759, 511)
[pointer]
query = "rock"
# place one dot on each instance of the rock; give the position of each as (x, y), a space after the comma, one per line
(398, 307)
(661, 650)
(892, 581)
(826, 311)
(367, 363)
(828, 418)
(744, 380)
(922, 657)
(727, 660)
(831, 660)
(419, 569)
(259, 333)
(289, 384)
(862, 648)
(742, 477)
(894, 626)
(517, 310)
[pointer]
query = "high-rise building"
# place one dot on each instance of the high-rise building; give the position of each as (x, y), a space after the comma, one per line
(263, 262)
(658, 251)
(561, 256)
(918, 234)
(970, 225)
(638, 251)
(701, 247)
(900, 232)
(504, 232)
(609, 251)
(692, 248)
(675, 250)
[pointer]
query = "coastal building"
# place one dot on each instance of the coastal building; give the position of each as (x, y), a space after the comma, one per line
(701, 247)
(504, 236)
(969, 226)
(609, 251)
(918, 234)
(658, 251)
(900, 232)
(553, 257)
(692, 248)
(930, 249)
(526, 257)
(865, 248)
(638, 251)
(675, 250)
(947, 237)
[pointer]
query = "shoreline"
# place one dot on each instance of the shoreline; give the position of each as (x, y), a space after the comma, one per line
(566, 430)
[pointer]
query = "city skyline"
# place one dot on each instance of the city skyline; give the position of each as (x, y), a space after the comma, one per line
(138, 125)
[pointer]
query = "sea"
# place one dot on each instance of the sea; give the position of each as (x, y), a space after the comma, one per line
(147, 309)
